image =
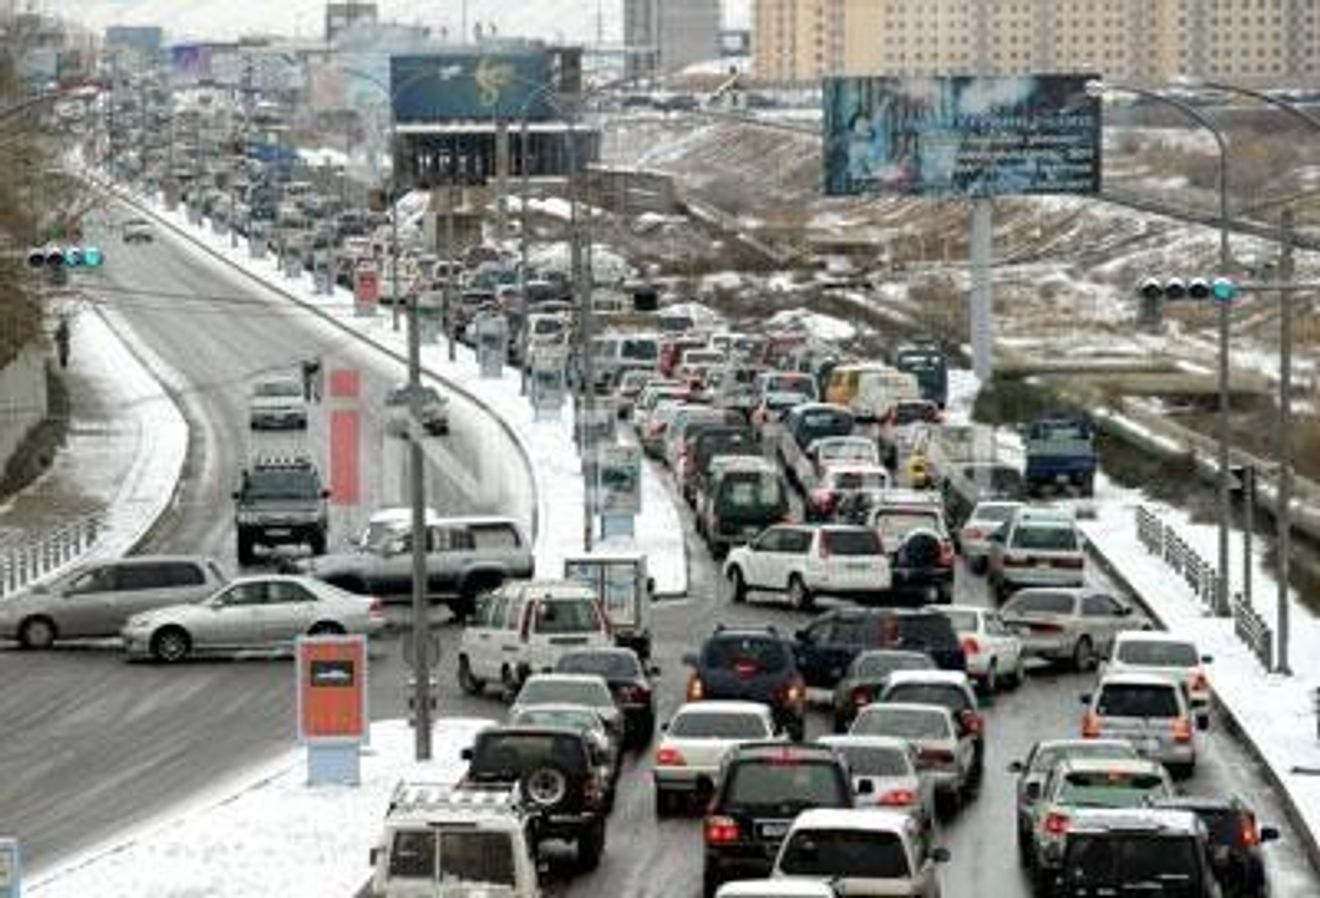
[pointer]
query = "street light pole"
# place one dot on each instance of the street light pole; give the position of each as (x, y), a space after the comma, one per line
(522, 253)
(1283, 510)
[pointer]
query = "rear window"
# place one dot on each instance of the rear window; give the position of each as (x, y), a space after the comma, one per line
(1162, 867)
(874, 666)
(1159, 654)
(906, 723)
(698, 725)
(641, 350)
(1046, 537)
(930, 631)
(502, 757)
(851, 542)
(874, 760)
(569, 692)
(1132, 700)
(567, 616)
(1108, 789)
(494, 536)
(1040, 603)
(946, 695)
(805, 784)
(464, 856)
(963, 621)
(894, 525)
(819, 424)
(994, 512)
(861, 853)
(610, 665)
(760, 655)
(860, 480)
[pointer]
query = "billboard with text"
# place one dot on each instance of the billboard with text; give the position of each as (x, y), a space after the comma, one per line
(961, 136)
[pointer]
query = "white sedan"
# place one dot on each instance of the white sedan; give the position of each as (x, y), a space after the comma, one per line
(994, 652)
(264, 612)
(696, 740)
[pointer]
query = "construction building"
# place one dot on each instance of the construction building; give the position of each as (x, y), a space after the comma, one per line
(664, 36)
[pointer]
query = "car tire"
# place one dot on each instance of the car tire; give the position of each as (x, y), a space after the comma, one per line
(316, 543)
(797, 729)
(710, 883)
(664, 803)
(1083, 655)
(798, 595)
(991, 684)
(1026, 852)
(466, 681)
(170, 645)
(590, 846)
(1014, 680)
(978, 565)
(737, 585)
(37, 632)
(246, 546)
(947, 803)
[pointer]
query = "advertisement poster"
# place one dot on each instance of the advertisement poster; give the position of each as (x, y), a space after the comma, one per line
(465, 85)
(962, 136)
(619, 469)
(366, 290)
(332, 688)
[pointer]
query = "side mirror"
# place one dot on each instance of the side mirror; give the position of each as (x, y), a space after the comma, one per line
(1269, 833)
(654, 670)
(940, 855)
(690, 659)
(1207, 659)
(865, 787)
(705, 790)
(1016, 767)
(1085, 698)
(466, 754)
(373, 856)
(1032, 791)
(1203, 722)
(325, 494)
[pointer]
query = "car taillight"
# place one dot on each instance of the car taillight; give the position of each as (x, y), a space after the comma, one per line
(971, 645)
(973, 533)
(822, 500)
(1069, 562)
(721, 830)
(696, 690)
(1248, 834)
(633, 694)
(377, 608)
(1182, 730)
(669, 757)
(1056, 824)
(946, 554)
(794, 692)
(935, 756)
(1016, 561)
(974, 722)
(1200, 683)
(861, 696)
(898, 798)
(1090, 726)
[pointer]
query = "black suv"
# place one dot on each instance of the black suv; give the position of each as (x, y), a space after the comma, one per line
(1235, 840)
(553, 767)
(762, 786)
(754, 664)
(280, 501)
(828, 645)
(1135, 852)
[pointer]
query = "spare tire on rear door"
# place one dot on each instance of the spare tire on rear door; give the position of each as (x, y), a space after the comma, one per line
(920, 548)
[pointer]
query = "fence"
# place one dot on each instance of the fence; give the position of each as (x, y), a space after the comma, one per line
(1203, 578)
(40, 555)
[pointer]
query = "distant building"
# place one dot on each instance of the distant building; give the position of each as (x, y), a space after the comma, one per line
(143, 42)
(664, 36)
(1151, 41)
(344, 15)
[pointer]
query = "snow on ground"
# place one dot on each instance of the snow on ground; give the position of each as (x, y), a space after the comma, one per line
(822, 327)
(267, 833)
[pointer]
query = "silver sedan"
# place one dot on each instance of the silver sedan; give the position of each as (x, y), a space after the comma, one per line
(252, 613)
(1071, 624)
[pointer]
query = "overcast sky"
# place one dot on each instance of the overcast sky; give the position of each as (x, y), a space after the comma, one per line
(573, 20)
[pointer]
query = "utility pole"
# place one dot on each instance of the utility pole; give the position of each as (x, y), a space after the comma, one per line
(587, 367)
(981, 313)
(451, 249)
(522, 252)
(1283, 511)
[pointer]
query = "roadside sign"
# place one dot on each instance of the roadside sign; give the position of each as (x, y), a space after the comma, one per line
(549, 370)
(492, 339)
(11, 868)
(366, 290)
(619, 473)
(332, 688)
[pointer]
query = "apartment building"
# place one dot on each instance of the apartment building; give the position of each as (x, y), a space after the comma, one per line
(664, 36)
(1154, 41)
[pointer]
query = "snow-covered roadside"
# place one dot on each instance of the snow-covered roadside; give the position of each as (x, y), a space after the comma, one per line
(547, 446)
(267, 833)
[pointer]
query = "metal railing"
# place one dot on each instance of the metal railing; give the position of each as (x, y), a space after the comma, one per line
(41, 554)
(1162, 540)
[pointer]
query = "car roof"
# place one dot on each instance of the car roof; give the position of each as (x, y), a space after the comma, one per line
(880, 707)
(785, 750)
(776, 888)
(401, 514)
(1042, 514)
(565, 678)
(853, 467)
(1153, 636)
(978, 609)
(869, 741)
(1134, 678)
(1199, 802)
(1104, 765)
(996, 503)
(150, 559)
(1143, 820)
(724, 706)
(542, 707)
(1076, 742)
(870, 819)
(953, 677)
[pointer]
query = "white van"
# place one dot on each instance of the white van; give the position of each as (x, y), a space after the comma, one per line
(523, 627)
(879, 391)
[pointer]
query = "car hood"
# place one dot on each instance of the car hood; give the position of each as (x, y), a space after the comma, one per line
(260, 402)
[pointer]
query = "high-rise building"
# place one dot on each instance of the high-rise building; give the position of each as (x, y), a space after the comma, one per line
(664, 36)
(345, 14)
(1153, 41)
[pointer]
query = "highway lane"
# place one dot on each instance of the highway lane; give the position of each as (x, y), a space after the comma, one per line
(92, 746)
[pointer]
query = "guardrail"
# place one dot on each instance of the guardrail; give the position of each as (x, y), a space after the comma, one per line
(40, 555)
(1161, 539)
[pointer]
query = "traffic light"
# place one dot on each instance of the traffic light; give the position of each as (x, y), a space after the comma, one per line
(1196, 289)
(59, 257)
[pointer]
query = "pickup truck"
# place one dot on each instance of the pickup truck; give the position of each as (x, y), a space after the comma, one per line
(1060, 452)
(804, 425)
(465, 556)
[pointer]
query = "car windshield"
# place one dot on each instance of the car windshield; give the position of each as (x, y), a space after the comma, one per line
(1053, 538)
(1137, 700)
(804, 784)
(591, 693)
(875, 665)
(861, 853)
(946, 694)
(963, 621)
(1108, 788)
(1158, 654)
(717, 725)
(1048, 756)
(1133, 864)
(567, 616)
(851, 542)
(906, 723)
(464, 856)
(819, 424)
(610, 665)
(573, 718)
(874, 760)
(757, 655)
(1039, 603)
(280, 484)
(278, 388)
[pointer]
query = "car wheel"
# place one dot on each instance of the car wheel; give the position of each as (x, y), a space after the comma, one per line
(37, 633)
(1014, 680)
(326, 628)
(545, 786)
(798, 595)
(992, 677)
(978, 565)
(590, 846)
(466, 681)
(170, 645)
(947, 803)
(1025, 850)
(737, 585)
(1083, 656)
(317, 543)
(664, 802)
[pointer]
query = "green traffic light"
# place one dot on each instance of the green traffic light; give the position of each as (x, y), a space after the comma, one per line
(1223, 290)
(91, 256)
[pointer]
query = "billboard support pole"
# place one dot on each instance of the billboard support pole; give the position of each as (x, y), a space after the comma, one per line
(981, 313)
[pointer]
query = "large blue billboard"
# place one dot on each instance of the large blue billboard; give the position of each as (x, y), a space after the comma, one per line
(440, 87)
(962, 136)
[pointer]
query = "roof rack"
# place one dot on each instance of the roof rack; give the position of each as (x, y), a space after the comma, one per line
(290, 460)
(427, 796)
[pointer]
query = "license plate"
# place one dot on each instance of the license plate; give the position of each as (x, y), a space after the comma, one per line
(568, 640)
(278, 531)
(857, 566)
(772, 829)
(1044, 564)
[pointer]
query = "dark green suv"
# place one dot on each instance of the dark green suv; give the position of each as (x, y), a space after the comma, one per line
(280, 501)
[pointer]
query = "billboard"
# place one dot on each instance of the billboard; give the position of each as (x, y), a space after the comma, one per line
(961, 136)
(332, 688)
(466, 86)
(190, 63)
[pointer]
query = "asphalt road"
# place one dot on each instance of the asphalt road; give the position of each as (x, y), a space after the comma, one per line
(93, 746)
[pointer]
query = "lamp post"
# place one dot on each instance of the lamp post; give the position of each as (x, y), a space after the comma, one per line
(1225, 503)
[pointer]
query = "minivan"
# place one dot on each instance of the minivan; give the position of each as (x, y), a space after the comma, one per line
(742, 495)
(95, 600)
(523, 627)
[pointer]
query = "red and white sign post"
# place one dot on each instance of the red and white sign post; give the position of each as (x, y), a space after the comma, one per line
(332, 706)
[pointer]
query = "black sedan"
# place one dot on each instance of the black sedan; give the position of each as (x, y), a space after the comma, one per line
(630, 682)
(866, 677)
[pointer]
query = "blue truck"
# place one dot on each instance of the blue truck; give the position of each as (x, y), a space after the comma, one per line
(1060, 453)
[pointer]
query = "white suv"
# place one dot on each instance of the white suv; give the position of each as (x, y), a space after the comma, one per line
(804, 560)
(438, 838)
(861, 852)
(1175, 657)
